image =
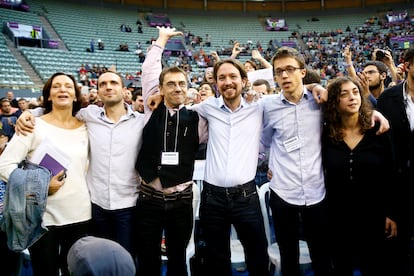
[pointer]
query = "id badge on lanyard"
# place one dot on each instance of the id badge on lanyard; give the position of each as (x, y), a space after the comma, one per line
(169, 158)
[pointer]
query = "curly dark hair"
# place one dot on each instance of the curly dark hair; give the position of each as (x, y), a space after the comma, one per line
(333, 117)
(46, 93)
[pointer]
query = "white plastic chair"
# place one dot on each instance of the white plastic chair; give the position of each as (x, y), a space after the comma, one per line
(236, 248)
(191, 245)
(273, 248)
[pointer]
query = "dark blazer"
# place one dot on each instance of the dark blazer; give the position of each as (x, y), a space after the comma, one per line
(392, 105)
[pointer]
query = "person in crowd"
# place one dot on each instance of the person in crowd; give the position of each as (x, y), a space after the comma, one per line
(23, 104)
(191, 97)
(374, 75)
(138, 100)
(400, 75)
(112, 179)
(35, 103)
(101, 45)
(12, 99)
(127, 96)
(123, 47)
(385, 56)
(350, 148)
(208, 77)
(262, 87)
(166, 164)
(372, 79)
(207, 40)
(68, 207)
(94, 98)
(206, 90)
(311, 76)
(92, 46)
(256, 62)
(8, 118)
(98, 256)
(34, 34)
(84, 95)
(250, 65)
(397, 105)
(297, 197)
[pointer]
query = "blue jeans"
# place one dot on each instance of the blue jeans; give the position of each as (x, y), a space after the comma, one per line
(155, 215)
(288, 219)
(219, 209)
(116, 225)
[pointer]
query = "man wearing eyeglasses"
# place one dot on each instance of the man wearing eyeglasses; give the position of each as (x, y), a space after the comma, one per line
(374, 77)
(375, 73)
(166, 164)
(292, 129)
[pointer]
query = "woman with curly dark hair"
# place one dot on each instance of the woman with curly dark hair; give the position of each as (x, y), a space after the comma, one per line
(359, 170)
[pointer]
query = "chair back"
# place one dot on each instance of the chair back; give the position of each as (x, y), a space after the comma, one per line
(264, 192)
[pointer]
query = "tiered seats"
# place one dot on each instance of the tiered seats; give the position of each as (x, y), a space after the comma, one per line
(27, 18)
(11, 72)
(222, 29)
(48, 61)
(83, 23)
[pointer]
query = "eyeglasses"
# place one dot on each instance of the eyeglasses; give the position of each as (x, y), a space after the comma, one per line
(370, 72)
(288, 69)
(172, 85)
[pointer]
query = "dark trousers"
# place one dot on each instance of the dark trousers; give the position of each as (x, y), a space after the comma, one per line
(49, 253)
(173, 215)
(116, 225)
(219, 209)
(9, 258)
(313, 220)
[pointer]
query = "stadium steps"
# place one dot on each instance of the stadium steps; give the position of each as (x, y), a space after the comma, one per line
(51, 32)
(28, 69)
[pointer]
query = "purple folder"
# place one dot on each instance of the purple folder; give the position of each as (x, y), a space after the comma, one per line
(50, 163)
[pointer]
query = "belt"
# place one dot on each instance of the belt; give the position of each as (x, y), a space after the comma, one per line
(245, 189)
(151, 192)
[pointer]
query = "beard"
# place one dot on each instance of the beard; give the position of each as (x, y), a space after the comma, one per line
(374, 86)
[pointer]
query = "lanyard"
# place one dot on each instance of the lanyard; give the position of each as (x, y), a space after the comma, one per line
(176, 130)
